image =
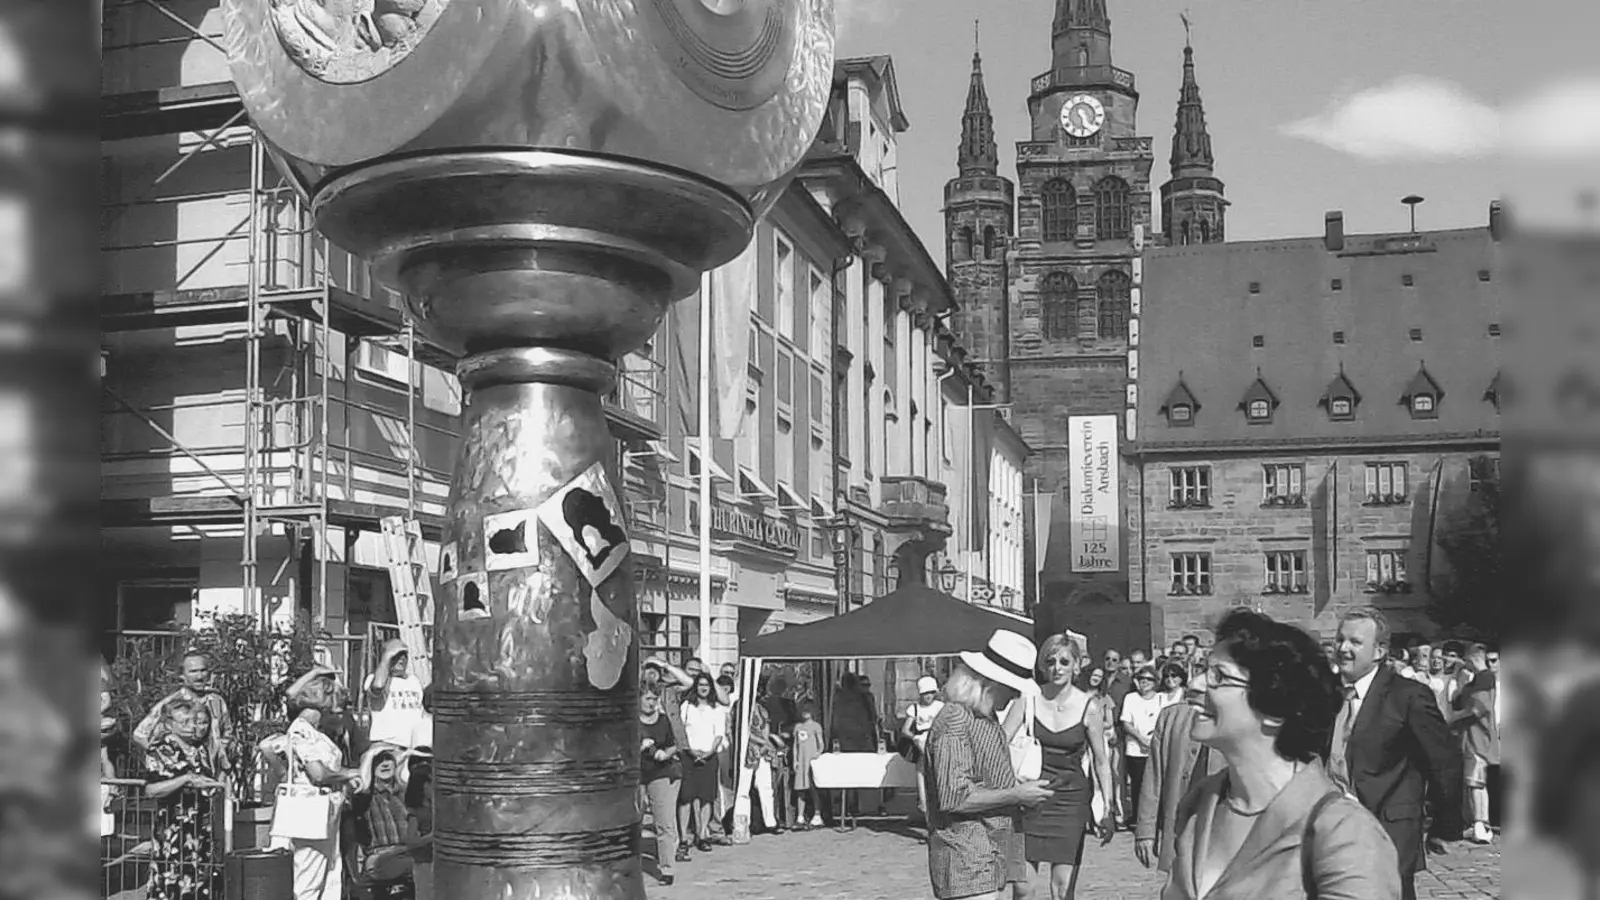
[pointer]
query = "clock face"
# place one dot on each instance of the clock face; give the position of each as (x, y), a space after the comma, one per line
(1082, 115)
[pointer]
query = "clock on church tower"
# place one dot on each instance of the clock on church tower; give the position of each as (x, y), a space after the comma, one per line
(1082, 115)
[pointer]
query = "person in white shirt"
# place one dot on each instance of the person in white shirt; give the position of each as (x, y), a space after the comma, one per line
(1139, 712)
(705, 726)
(919, 721)
(395, 696)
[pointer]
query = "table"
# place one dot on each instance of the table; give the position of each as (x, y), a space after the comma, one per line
(861, 771)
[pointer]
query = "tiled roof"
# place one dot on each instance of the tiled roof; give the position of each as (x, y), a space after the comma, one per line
(1218, 317)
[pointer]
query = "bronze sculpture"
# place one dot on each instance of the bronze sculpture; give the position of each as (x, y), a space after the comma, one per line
(540, 178)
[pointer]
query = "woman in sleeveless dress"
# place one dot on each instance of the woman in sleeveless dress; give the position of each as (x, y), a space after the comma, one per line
(1069, 727)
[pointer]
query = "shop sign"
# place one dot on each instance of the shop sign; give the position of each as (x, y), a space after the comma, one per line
(775, 534)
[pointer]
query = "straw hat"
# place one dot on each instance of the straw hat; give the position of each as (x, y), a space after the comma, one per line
(1007, 660)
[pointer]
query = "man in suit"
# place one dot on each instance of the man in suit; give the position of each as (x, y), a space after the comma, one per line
(1175, 760)
(1391, 747)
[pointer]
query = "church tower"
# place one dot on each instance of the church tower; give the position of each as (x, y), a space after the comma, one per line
(1084, 205)
(1192, 204)
(978, 205)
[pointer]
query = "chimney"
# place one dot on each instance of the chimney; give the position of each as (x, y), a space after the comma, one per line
(1499, 220)
(1333, 231)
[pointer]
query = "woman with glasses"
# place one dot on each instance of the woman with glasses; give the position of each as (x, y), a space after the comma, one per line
(1272, 824)
(1067, 723)
(1174, 681)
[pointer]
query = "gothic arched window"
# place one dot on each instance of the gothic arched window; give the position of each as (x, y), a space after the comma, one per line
(1113, 209)
(989, 242)
(1113, 292)
(1205, 232)
(1058, 295)
(963, 245)
(1060, 208)
(1184, 232)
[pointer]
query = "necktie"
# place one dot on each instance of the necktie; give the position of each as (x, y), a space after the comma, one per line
(1338, 763)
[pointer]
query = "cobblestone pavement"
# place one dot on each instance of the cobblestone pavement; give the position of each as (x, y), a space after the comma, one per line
(887, 861)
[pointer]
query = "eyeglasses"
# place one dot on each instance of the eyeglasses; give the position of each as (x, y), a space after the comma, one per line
(1061, 661)
(1216, 677)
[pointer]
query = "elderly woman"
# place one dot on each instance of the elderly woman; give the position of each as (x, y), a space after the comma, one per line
(316, 761)
(181, 777)
(1272, 824)
(974, 799)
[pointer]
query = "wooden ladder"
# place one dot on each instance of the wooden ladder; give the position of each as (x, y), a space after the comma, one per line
(412, 585)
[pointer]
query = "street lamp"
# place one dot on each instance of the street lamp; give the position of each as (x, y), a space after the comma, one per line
(947, 577)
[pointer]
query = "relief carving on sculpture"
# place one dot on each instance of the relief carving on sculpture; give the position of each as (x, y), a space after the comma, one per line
(346, 41)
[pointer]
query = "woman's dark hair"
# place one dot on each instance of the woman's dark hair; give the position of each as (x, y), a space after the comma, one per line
(694, 690)
(1174, 669)
(1289, 680)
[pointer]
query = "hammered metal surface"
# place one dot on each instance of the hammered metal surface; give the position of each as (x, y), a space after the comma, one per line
(537, 767)
(735, 96)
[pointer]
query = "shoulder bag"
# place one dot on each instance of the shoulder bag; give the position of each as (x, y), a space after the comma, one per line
(1027, 757)
(303, 812)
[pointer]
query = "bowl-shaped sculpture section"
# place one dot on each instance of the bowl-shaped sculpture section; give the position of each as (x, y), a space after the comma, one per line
(730, 90)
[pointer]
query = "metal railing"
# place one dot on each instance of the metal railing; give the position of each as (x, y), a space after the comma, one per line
(176, 844)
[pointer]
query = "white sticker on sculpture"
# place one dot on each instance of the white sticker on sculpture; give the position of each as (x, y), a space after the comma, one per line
(586, 519)
(472, 595)
(606, 648)
(511, 540)
(447, 563)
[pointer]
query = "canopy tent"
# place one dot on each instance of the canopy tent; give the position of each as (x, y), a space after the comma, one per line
(912, 620)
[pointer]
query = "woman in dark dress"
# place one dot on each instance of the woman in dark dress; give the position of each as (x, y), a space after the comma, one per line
(1067, 725)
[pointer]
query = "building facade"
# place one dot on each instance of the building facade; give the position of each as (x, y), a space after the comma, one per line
(1314, 417)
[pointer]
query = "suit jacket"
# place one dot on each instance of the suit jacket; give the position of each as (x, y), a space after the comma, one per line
(1167, 778)
(1352, 858)
(1400, 752)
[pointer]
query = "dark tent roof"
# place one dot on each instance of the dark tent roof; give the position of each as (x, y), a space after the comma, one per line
(912, 620)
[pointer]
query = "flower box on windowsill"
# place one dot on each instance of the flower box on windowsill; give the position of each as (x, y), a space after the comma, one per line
(1189, 590)
(1286, 501)
(1385, 500)
(1285, 589)
(1388, 587)
(1188, 504)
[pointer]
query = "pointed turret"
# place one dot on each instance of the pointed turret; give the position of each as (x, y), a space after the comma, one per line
(1193, 208)
(1191, 144)
(978, 154)
(1072, 14)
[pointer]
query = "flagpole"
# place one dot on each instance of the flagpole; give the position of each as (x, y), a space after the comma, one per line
(1038, 561)
(705, 468)
(972, 477)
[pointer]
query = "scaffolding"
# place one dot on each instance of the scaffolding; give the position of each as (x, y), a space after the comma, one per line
(296, 478)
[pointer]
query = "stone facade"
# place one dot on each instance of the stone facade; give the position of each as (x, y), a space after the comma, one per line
(1333, 522)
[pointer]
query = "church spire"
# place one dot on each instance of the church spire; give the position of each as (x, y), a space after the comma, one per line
(978, 153)
(1075, 14)
(1191, 143)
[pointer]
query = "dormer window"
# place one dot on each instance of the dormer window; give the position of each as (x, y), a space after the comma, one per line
(1422, 395)
(1494, 392)
(1258, 402)
(1341, 398)
(1180, 405)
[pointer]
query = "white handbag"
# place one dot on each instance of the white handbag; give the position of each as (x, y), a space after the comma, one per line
(303, 812)
(1027, 757)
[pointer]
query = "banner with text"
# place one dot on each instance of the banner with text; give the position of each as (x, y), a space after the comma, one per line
(1095, 521)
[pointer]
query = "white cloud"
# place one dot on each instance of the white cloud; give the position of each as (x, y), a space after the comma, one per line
(852, 14)
(1416, 118)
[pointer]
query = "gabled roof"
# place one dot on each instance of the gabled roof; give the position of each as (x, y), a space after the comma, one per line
(1180, 395)
(1340, 388)
(1421, 383)
(1198, 319)
(1258, 390)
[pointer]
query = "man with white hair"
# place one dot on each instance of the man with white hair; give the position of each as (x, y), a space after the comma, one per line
(974, 798)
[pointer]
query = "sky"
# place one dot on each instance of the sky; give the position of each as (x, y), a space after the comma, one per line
(1312, 105)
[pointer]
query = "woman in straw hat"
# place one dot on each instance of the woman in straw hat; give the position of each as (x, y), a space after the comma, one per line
(314, 758)
(974, 798)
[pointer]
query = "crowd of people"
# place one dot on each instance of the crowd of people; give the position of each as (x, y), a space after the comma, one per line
(1263, 766)
(371, 785)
